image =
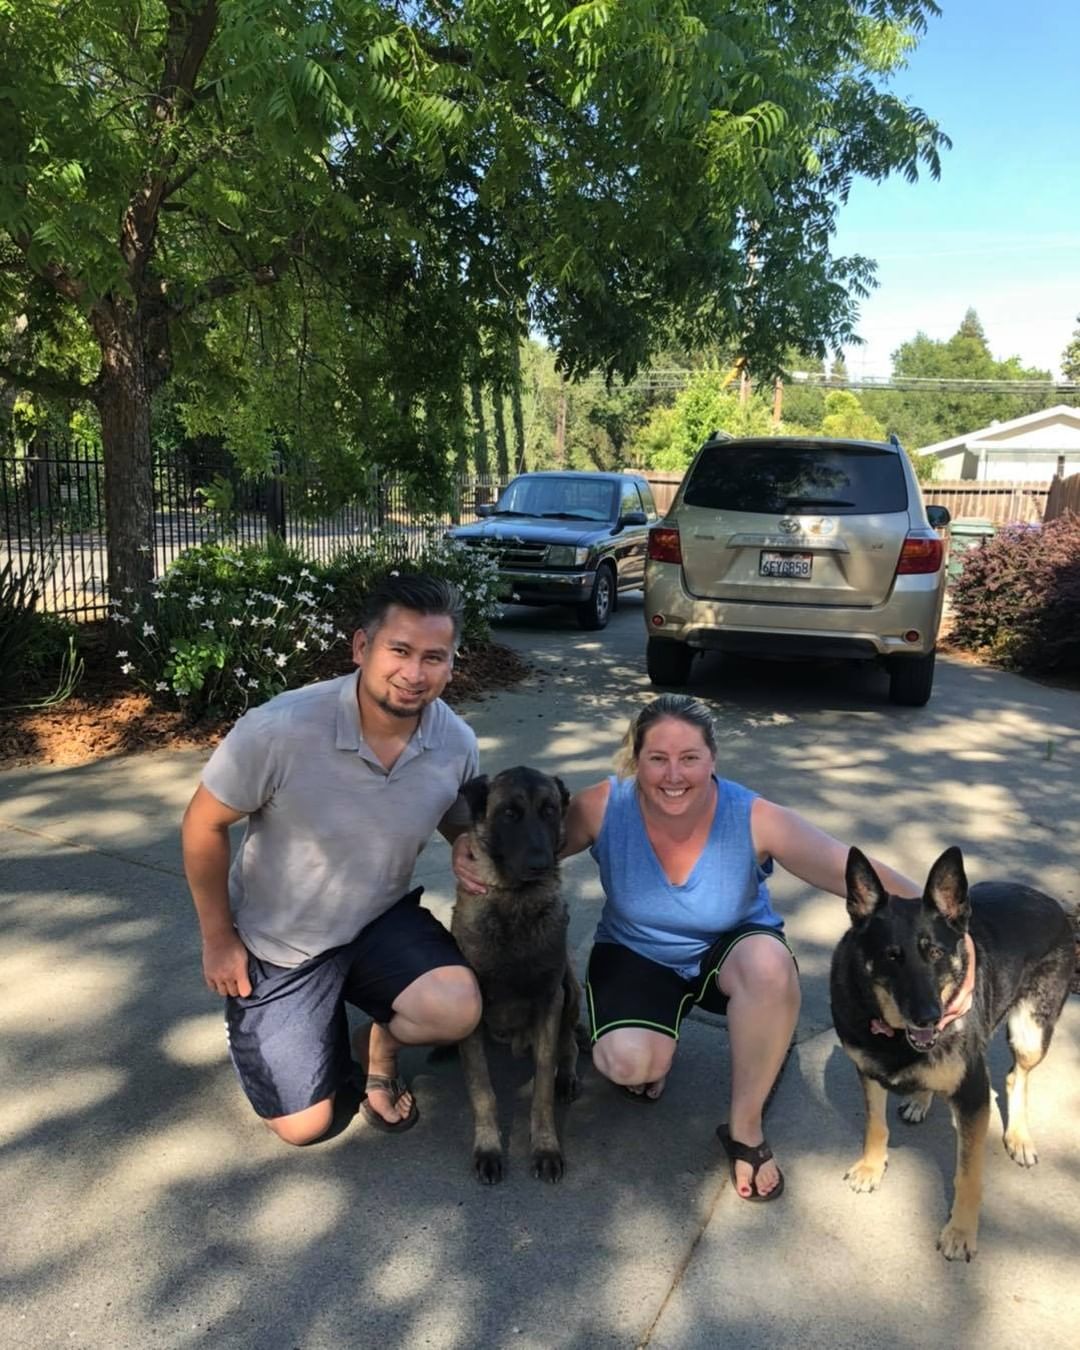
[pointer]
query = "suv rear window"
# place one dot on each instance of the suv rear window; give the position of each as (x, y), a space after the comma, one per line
(789, 478)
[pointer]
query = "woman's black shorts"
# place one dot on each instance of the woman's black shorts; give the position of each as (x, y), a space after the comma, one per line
(623, 989)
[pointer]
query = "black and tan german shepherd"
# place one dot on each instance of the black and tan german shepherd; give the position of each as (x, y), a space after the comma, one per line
(514, 937)
(916, 1018)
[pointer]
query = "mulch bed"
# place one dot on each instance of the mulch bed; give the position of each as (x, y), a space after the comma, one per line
(106, 716)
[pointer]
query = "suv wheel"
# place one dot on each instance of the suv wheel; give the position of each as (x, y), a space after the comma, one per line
(595, 612)
(911, 679)
(668, 662)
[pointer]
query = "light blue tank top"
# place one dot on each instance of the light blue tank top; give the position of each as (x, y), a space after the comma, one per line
(676, 925)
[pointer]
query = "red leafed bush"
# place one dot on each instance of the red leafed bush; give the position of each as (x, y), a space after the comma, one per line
(1019, 596)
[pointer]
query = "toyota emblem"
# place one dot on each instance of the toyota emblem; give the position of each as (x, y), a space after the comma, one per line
(789, 525)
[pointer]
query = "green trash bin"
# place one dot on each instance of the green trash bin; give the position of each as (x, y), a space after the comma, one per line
(966, 532)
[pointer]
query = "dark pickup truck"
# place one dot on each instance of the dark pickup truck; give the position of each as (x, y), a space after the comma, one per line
(564, 538)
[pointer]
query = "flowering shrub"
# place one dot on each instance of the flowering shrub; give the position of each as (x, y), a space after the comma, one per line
(226, 628)
(1019, 596)
(473, 571)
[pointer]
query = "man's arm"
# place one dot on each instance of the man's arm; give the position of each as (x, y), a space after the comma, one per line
(205, 838)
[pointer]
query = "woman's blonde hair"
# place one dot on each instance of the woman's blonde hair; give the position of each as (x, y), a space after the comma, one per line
(689, 710)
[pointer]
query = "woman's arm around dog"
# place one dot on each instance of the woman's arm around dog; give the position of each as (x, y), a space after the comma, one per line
(809, 853)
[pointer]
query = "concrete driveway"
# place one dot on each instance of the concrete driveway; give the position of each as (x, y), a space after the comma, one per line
(144, 1205)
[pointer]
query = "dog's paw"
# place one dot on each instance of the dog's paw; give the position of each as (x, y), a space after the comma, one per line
(487, 1164)
(914, 1109)
(567, 1086)
(956, 1243)
(547, 1164)
(1021, 1148)
(863, 1176)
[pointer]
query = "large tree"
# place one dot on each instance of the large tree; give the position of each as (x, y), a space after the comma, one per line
(1070, 357)
(928, 414)
(419, 184)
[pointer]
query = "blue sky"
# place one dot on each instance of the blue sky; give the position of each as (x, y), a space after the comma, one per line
(1000, 231)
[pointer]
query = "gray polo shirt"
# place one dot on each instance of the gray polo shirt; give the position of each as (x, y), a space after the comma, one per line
(332, 838)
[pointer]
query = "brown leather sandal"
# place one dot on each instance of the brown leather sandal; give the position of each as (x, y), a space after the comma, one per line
(396, 1087)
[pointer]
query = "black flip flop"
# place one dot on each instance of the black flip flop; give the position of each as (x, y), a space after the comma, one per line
(396, 1087)
(754, 1155)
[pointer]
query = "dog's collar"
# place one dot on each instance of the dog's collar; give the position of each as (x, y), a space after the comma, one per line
(958, 1005)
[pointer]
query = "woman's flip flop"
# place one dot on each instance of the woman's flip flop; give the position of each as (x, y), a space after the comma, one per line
(755, 1156)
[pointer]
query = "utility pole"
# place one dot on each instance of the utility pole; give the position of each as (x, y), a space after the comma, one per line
(777, 401)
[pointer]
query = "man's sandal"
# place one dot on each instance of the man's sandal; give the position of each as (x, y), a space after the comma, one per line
(396, 1087)
(755, 1156)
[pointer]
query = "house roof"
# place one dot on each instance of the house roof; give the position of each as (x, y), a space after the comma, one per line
(998, 433)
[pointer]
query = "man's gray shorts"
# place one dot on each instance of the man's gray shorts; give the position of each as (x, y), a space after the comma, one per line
(289, 1038)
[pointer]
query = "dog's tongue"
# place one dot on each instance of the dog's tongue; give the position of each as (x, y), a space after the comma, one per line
(921, 1035)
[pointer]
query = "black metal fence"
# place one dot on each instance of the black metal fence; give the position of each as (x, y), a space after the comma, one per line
(52, 515)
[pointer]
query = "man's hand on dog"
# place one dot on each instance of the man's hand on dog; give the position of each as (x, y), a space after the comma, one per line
(225, 966)
(463, 861)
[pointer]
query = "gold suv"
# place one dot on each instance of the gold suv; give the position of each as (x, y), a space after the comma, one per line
(798, 547)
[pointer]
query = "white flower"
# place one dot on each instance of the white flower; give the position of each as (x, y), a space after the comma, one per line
(122, 619)
(239, 672)
(207, 623)
(215, 599)
(301, 645)
(144, 548)
(280, 659)
(237, 623)
(196, 601)
(327, 586)
(279, 604)
(161, 686)
(127, 668)
(147, 629)
(305, 573)
(121, 655)
(156, 595)
(253, 684)
(268, 651)
(128, 590)
(394, 572)
(282, 577)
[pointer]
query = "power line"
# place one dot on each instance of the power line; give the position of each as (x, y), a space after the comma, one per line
(660, 380)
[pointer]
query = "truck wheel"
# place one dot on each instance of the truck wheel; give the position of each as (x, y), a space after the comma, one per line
(595, 612)
(911, 679)
(668, 663)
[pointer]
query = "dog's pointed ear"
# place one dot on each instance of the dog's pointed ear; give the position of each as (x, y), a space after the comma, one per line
(947, 888)
(865, 893)
(475, 792)
(564, 795)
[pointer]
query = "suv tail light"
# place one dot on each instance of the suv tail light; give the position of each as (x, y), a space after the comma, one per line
(921, 553)
(664, 545)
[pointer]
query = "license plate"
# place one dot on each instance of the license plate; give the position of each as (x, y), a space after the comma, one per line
(797, 565)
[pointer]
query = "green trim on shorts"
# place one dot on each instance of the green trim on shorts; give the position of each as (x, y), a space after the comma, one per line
(692, 999)
(763, 930)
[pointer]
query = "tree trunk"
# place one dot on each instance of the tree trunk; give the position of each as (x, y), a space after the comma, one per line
(123, 401)
(502, 454)
(515, 405)
(480, 446)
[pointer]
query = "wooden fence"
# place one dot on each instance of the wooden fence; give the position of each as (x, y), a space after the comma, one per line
(1064, 496)
(1002, 503)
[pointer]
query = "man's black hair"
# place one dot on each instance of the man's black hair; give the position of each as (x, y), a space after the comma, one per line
(414, 591)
